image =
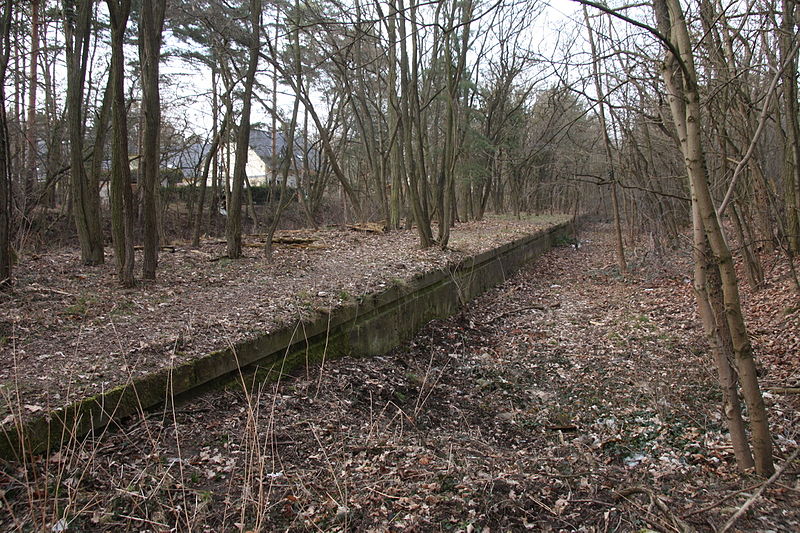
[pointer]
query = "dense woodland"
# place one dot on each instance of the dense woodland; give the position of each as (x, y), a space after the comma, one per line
(660, 116)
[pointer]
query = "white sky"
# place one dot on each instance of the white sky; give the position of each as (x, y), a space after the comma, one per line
(189, 91)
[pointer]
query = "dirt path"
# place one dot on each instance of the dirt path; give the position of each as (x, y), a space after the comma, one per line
(566, 399)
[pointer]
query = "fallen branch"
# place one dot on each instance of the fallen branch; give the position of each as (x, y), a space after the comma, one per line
(722, 500)
(164, 247)
(38, 288)
(567, 427)
(757, 494)
(369, 227)
(783, 390)
(278, 239)
(292, 240)
(787, 487)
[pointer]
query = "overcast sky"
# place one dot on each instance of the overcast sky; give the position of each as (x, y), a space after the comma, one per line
(187, 97)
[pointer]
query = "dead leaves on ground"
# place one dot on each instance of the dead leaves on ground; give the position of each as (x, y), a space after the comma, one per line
(563, 400)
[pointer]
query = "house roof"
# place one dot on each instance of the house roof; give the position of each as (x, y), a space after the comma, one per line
(188, 159)
(261, 143)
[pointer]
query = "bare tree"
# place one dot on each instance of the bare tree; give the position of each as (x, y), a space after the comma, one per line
(680, 78)
(791, 150)
(84, 187)
(30, 127)
(601, 104)
(233, 228)
(121, 195)
(150, 32)
(6, 254)
(289, 158)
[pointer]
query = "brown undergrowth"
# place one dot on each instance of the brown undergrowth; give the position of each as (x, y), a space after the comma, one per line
(68, 331)
(566, 399)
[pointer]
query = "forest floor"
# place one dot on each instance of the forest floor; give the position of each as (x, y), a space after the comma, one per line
(569, 398)
(69, 331)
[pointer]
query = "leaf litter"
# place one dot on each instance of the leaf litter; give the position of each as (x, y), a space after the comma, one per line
(68, 331)
(568, 398)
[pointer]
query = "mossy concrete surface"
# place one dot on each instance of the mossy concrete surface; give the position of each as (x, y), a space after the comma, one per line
(372, 326)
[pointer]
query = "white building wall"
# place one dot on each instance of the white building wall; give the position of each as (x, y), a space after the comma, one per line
(258, 171)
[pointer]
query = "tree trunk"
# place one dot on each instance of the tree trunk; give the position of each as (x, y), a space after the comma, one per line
(207, 160)
(31, 176)
(791, 151)
(150, 30)
(233, 228)
(395, 161)
(327, 146)
(752, 266)
(414, 164)
(620, 246)
(85, 194)
(685, 106)
(251, 206)
(6, 254)
(289, 158)
(711, 310)
(452, 139)
(121, 195)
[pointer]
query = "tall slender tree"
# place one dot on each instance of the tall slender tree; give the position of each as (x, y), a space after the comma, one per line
(233, 228)
(289, 157)
(30, 125)
(601, 113)
(85, 191)
(6, 255)
(121, 195)
(456, 47)
(151, 28)
(680, 77)
(791, 150)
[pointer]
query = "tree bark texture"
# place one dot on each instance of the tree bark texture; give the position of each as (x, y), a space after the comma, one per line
(121, 195)
(150, 30)
(85, 192)
(791, 151)
(6, 254)
(233, 228)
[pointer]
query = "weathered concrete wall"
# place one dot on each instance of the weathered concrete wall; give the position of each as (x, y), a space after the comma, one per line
(372, 326)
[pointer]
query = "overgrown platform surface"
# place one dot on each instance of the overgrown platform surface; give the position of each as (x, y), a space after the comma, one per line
(566, 399)
(70, 331)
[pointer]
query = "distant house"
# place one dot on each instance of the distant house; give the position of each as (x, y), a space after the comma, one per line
(259, 168)
(188, 161)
